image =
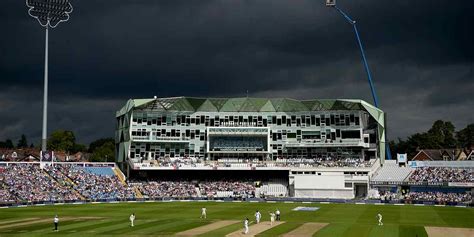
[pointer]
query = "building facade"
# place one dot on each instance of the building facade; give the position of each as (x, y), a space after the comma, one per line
(327, 147)
(248, 128)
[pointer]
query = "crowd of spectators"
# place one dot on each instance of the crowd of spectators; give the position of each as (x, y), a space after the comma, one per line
(325, 162)
(237, 188)
(28, 182)
(255, 162)
(183, 189)
(5, 194)
(438, 197)
(155, 189)
(387, 195)
(442, 174)
(94, 186)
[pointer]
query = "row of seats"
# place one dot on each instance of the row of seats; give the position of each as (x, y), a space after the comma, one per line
(390, 171)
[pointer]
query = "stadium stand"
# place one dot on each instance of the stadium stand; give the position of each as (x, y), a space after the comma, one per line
(28, 182)
(391, 171)
(442, 174)
(276, 188)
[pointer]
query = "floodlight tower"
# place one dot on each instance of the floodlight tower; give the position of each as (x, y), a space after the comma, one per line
(49, 14)
(332, 3)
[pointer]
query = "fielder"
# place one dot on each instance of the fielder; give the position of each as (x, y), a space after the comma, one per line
(203, 213)
(246, 225)
(380, 219)
(56, 222)
(132, 219)
(258, 216)
(272, 218)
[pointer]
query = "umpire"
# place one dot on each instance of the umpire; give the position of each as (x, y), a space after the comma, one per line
(56, 222)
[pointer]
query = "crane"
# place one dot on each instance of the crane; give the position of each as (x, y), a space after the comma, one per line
(332, 3)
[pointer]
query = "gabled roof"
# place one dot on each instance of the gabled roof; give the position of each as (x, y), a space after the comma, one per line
(247, 104)
(437, 154)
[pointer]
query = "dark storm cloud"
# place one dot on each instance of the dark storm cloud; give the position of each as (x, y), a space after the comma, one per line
(420, 53)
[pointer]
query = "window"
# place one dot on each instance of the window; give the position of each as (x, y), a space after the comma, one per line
(350, 134)
(348, 185)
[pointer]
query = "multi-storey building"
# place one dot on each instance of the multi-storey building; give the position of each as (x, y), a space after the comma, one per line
(186, 132)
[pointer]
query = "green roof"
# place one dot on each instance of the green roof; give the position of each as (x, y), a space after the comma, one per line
(243, 104)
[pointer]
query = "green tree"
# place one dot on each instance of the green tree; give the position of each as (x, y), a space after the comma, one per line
(61, 140)
(22, 143)
(99, 142)
(104, 152)
(79, 148)
(441, 135)
(465, 136)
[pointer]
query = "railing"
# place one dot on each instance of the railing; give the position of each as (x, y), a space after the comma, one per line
(239, 199)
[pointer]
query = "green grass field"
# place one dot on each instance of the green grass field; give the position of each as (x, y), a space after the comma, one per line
(169, 218)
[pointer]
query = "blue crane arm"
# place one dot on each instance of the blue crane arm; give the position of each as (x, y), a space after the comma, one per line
(366, 67)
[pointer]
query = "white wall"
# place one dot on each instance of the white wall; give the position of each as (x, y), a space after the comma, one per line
(327, 180)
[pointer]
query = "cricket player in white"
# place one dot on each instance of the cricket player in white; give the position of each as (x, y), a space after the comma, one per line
(203, 213)
(272, 218)
(277, 215)
(246, 226)
(56, 222)
(258, 216)
(132, 219)
(380, 219)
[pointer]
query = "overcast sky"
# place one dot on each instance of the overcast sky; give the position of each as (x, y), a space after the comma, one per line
(421, 54)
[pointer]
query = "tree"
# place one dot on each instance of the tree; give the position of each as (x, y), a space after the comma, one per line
(79, 148)
(439, 136)
(61, 140)
(104, 152)
(9, 144)
(22, 143)
(465, 136)
(97, 143)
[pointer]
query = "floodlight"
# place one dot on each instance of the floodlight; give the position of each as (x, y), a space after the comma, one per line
(330, 3)
(49, 14)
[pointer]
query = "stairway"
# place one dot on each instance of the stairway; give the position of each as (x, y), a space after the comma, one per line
(68, 180)
(120, 175)
(138, 193)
